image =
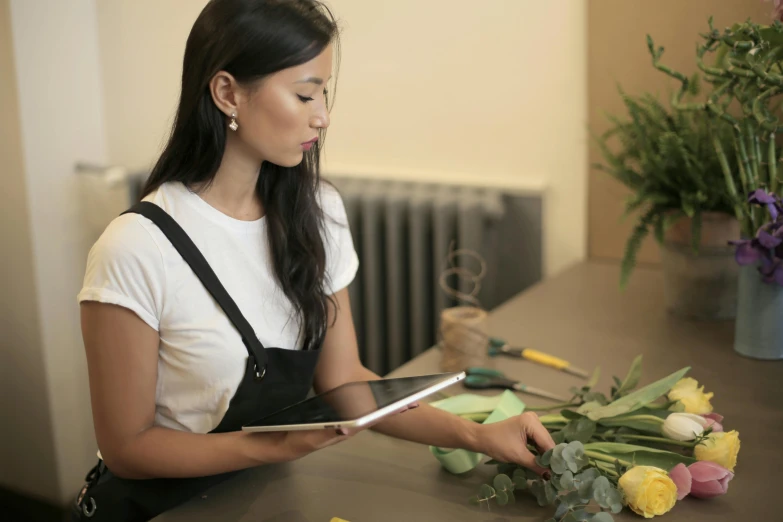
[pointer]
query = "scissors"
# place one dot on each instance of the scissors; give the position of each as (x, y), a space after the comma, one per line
(499, 346)
(485, 378)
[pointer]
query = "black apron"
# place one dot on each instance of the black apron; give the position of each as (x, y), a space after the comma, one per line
(274, 378)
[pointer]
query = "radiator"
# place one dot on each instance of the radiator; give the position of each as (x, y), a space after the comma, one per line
(403, 232)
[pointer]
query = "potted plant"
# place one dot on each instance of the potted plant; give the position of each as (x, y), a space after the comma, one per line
(747, 79)
(667, 160)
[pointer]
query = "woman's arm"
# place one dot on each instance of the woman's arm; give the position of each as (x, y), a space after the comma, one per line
(505, 441)
(122, 359)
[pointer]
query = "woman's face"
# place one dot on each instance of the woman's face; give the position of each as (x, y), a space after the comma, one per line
(280, 117)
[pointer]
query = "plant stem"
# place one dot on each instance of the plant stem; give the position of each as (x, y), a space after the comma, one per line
(553, 406)
(684, 443)
(606, 468)
(597, 455)
(553, 419)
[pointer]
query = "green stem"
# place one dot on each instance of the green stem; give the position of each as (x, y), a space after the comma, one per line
(553, 419)
(773, 164)
(649, 438)
(606, 468)
(597, 455)
(560, 406)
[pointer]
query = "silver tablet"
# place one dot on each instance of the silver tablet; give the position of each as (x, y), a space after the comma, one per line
(355, 404)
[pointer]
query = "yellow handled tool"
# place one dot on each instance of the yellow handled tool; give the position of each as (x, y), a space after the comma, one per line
(499, 346)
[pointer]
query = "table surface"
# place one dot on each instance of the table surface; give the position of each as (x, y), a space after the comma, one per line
(581, 315)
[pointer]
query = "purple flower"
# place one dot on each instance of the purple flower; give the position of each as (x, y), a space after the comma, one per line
(762, 197)
(709, 479)
(748, 251)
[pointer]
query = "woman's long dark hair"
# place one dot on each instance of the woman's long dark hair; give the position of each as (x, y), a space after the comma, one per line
(251, 39)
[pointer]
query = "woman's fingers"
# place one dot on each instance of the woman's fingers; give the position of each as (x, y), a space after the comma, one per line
(537, 431)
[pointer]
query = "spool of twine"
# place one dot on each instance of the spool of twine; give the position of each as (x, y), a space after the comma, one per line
(464, 334)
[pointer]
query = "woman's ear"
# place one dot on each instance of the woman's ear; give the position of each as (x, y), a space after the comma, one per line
(225, 92)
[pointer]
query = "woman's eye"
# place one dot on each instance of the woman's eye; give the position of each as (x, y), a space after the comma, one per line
(306, 99)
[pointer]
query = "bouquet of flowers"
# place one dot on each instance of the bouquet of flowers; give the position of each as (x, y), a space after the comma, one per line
(645, 448)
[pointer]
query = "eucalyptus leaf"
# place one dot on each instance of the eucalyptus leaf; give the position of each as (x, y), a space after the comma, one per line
(486, 492)
(537, 488)
(562, 509)
(582, 515)
(615, 500)
(602, 517)
(567, 480)
(601, 487)
(558, 437)
(569, 518)
(558, 463)
(544, 459)
(550, 493)
(639, 398)
(520, 479)
(501, 497)
(572, 499)
(503, 483)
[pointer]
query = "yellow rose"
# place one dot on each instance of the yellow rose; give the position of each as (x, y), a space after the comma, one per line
(721, 448)
(648, 490)
(688, 392)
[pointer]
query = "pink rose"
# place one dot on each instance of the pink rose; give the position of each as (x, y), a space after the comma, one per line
(709, 479)
(714, 421)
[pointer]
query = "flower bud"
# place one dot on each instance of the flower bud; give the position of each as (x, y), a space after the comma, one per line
(709, 479)
(684, 426)
(690, 395)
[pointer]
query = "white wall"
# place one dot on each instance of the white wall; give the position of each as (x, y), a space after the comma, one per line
(491, 91)
(61, 115)
(24, 397)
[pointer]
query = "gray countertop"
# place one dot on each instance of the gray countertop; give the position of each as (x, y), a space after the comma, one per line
(580, 315)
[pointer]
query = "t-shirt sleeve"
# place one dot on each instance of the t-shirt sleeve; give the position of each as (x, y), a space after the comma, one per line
(342, 261)
(125, 268)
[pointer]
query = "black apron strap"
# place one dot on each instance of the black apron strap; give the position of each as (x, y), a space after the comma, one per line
(193, 256)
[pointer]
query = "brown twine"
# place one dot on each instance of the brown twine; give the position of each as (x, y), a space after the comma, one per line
(463, 333)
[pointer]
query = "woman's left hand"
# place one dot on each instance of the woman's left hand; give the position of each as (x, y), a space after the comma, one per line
(507, 441)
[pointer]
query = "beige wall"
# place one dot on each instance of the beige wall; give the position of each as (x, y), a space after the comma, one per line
(618, 54)
(60, 114)
(26, 443)
(489, 92)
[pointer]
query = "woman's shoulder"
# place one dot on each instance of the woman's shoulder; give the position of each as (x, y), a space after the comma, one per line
(332, 204)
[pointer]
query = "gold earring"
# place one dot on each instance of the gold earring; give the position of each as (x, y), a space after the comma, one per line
(233, 125)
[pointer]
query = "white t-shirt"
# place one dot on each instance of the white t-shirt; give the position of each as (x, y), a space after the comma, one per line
(201, 355)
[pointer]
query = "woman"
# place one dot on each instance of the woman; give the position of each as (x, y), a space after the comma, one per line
(178, 364)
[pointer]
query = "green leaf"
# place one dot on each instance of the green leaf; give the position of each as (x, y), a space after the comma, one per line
(601, 487)
(602, 517)
(582, 515)
(571, 415)
(486, 492)
(632, 379)
(598, 397)
(615, 500)
(579, 430)
(503, 483)
(550, 493)
(587, 407)
(520, 479)
(594, 378)
(569, 518)
(562, 509)
(567, 480)
(545, 458)
(574, 456)
(641, 455)
(558, 463)
(558, 437)
(639, 398)
(501, 497)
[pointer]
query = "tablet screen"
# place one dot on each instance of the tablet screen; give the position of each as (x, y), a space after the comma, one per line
(351, 401)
